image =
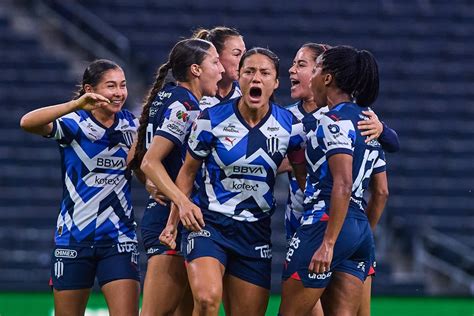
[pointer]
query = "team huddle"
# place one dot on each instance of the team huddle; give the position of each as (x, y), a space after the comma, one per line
(208, 147)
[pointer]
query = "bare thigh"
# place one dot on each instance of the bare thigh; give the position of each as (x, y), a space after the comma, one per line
(364, 308)
(205, 278)
(244, 298)
(317, 309)
(70, 302)
(165, 284)
(296, 300)
(122, 297)
(343, 295)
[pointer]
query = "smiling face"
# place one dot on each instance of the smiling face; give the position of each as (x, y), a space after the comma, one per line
(113, 86)
(258, 80)
(211, 71)
(234, 48)
(300, 74)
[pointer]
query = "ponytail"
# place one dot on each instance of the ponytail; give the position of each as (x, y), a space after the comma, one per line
(355, 72)
(366, 89)
(140, 149)
(201, 34)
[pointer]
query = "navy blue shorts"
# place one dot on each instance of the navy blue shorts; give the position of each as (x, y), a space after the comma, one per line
(243, 248)
(76, 267)
(153, 222)
(353, 252)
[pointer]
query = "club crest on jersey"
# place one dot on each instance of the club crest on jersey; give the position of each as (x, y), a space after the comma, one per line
(58, 268)
(128, 138)
(272, 145)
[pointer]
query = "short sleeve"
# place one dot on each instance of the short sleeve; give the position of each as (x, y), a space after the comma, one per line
(336, 136)
(201, 137)
(177, 122)
(380, 164)
(64, 129)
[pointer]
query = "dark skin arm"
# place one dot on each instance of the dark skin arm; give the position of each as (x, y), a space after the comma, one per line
(378, 197)
(340, 166)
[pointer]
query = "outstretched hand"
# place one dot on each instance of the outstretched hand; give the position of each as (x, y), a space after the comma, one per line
(90, 101)
(371, 127)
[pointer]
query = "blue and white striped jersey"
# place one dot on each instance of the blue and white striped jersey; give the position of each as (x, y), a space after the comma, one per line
(96, 207)
(207, 102)
(294, 205)
(241, 161)
(171, 115)
(337, 133)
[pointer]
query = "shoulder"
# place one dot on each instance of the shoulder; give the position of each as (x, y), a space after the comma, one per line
(283, 113)
(222, 108)
(126, 114)
(176, 95)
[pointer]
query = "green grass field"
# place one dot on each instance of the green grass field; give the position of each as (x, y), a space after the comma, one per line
(37, 304)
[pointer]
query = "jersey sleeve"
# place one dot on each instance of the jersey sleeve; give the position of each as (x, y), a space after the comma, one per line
(177, 121)
(297, 136)
(201, 138)
(389, 139)
(336, 136)
(380, 164)
(65, 128)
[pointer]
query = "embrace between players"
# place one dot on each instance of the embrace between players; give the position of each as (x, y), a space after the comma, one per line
(208, 146)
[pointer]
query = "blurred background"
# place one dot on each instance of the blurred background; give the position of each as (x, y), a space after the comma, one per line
(425, 51)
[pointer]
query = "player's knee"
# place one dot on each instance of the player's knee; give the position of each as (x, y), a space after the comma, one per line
(207, 300)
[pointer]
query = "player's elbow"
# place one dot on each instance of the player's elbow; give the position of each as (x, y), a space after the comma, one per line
(381, 193)
(25, 124)
(343, 187)
(146, 165)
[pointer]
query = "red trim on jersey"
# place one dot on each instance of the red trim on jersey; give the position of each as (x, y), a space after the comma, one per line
(295, 276)
(371, 271)
(170, 252)
(324, 218)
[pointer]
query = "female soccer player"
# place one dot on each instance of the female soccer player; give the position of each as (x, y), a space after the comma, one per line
(95, 234)
(230, 46)
(341, 163)
(306, 110)
(165, 123)
(242, 142)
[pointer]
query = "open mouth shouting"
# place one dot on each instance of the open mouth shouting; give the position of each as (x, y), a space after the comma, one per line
(294, 83)
(255, 94)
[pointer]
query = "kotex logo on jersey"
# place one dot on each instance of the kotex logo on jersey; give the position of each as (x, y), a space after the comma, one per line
(103, 180)
(65, 253)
